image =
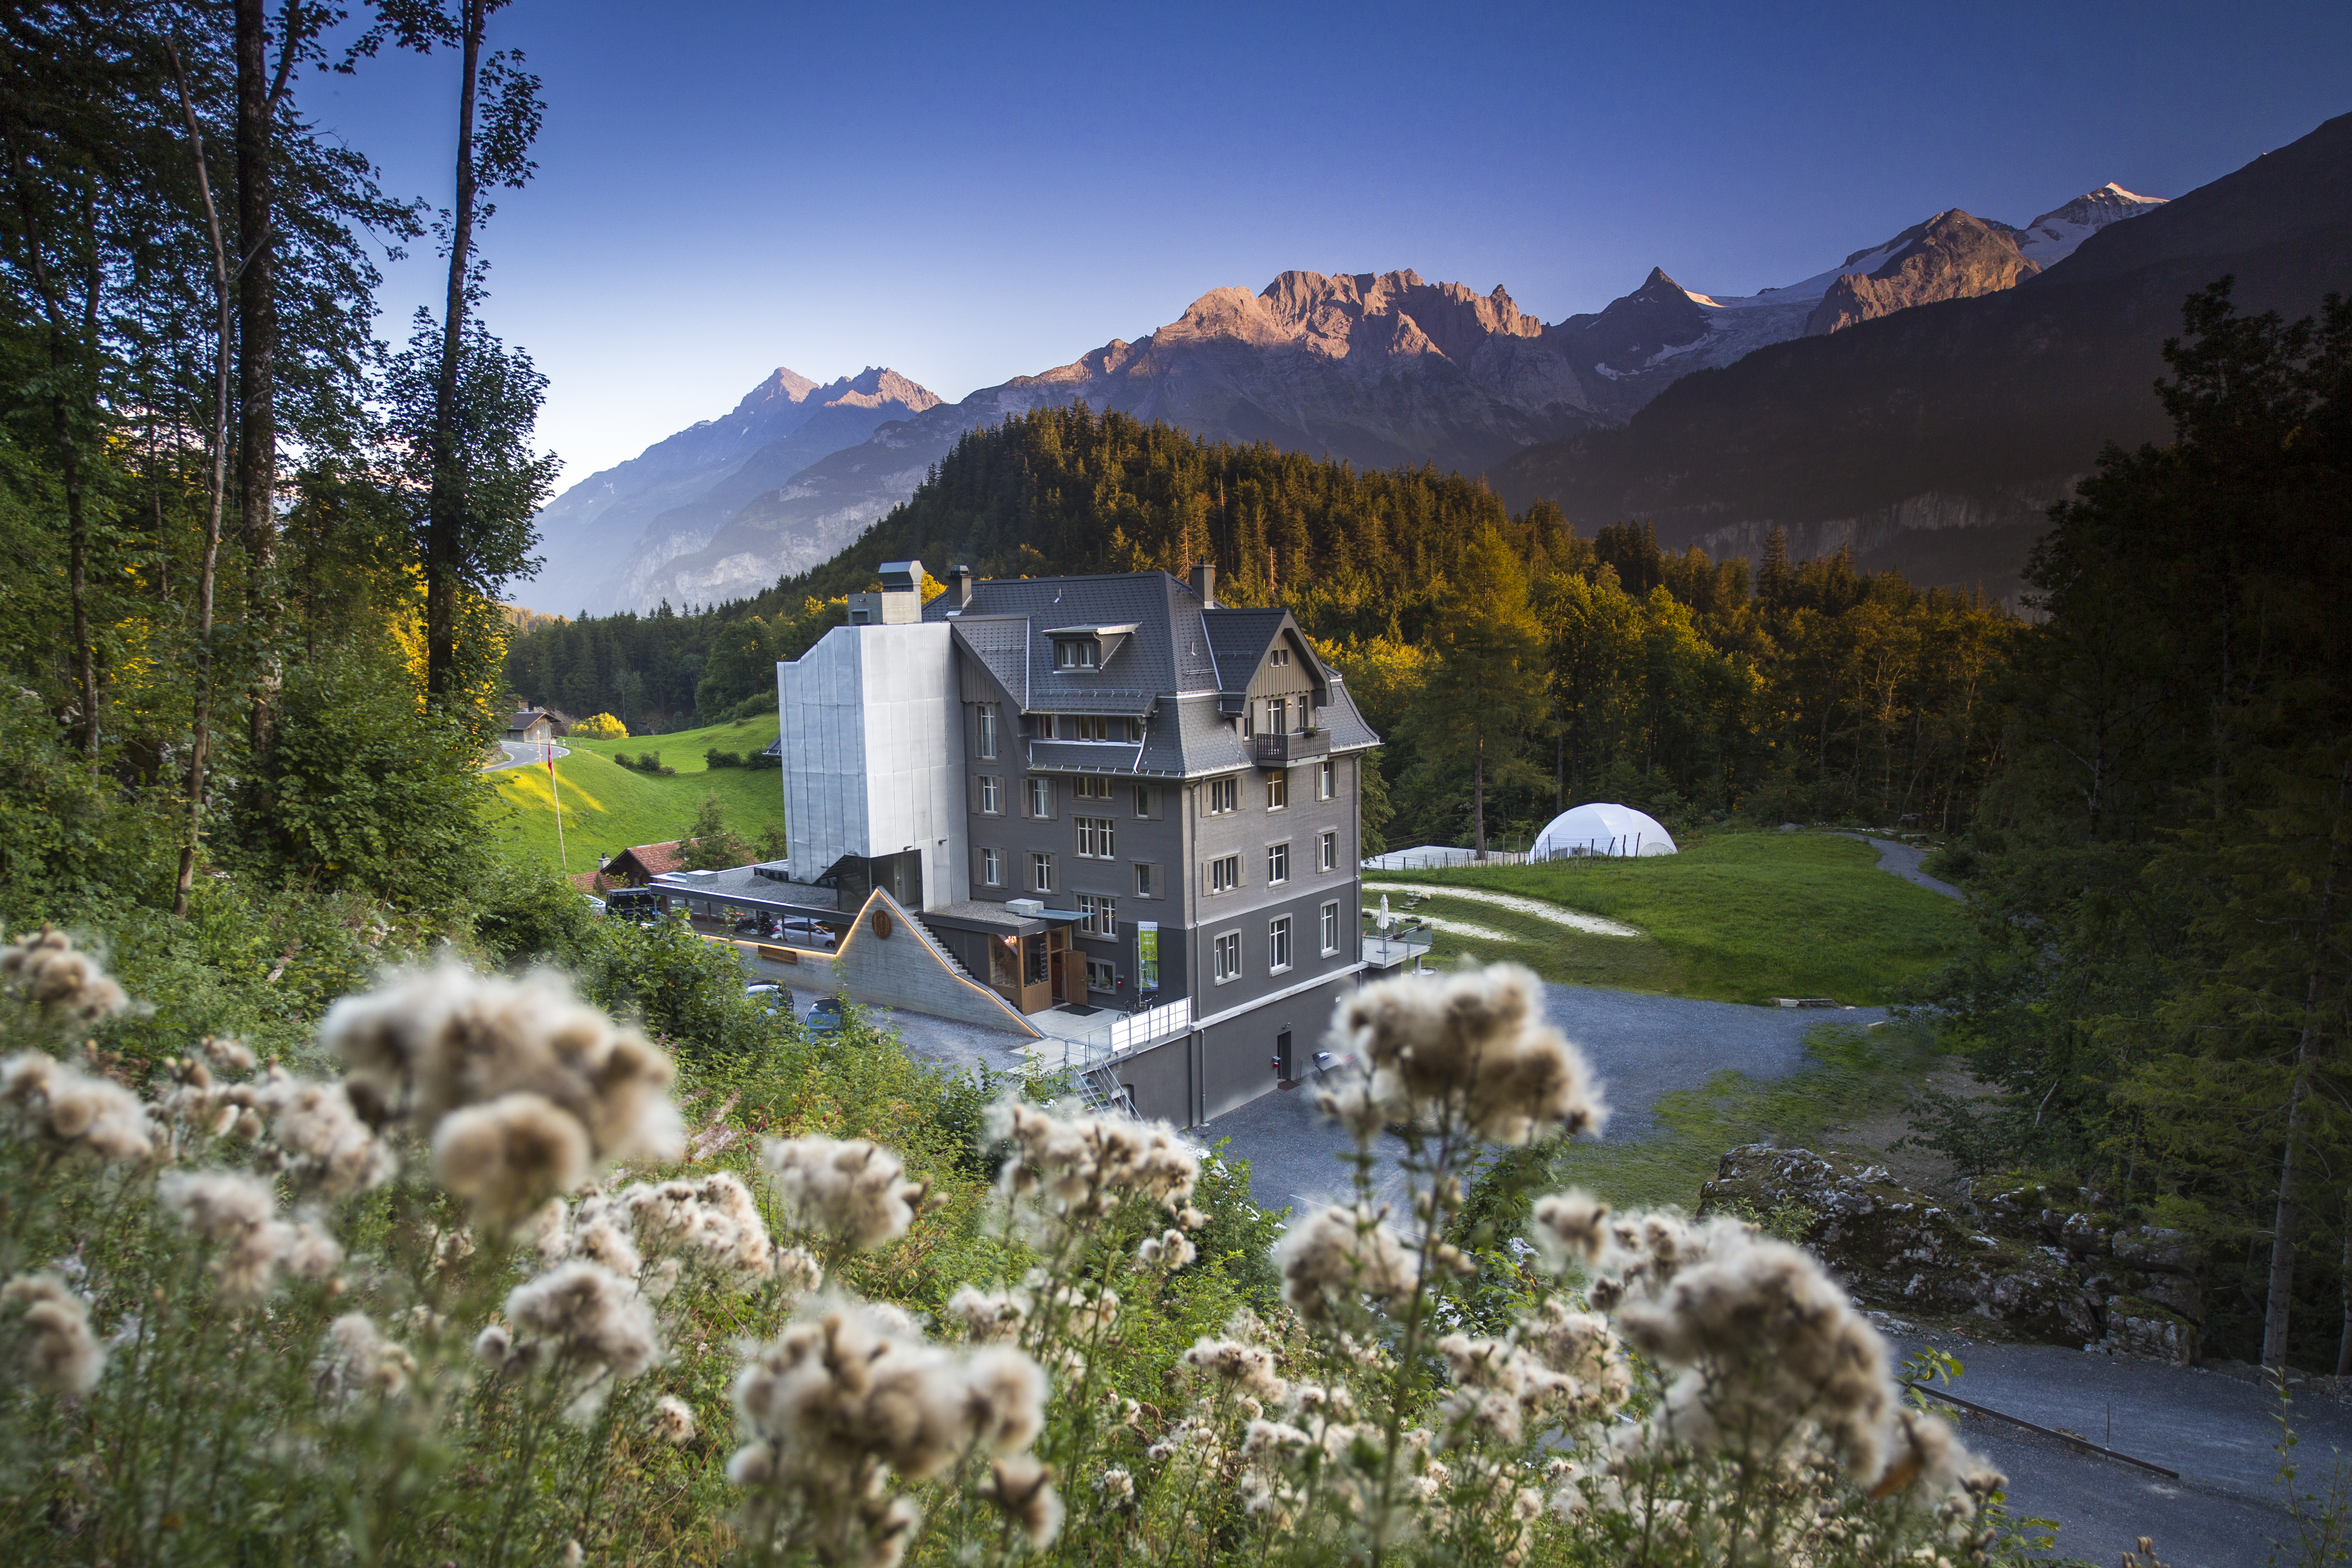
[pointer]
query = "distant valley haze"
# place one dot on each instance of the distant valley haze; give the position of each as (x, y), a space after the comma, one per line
(967, 197)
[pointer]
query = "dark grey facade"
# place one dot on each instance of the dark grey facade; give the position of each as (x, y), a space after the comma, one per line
(1136, 754)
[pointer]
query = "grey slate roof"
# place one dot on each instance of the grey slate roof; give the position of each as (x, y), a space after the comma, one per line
(1176, 665)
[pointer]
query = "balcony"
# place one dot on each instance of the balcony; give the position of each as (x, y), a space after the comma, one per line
(1291, 747)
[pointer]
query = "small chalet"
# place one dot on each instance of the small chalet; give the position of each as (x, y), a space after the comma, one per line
(638, 866)
(531, 724)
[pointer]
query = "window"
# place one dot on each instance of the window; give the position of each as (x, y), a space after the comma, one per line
(992, 868)
(1225, 873)
(1326, 852)
(1326, 780)
(988, 730)
(1081, 726)
(1095, 839)
(1134, 731)
(1041, 796)
(1226, 956)
(1040, 870)
(1143, 799)
(1038, 966)
(1277, 790)
(1277, 864)
(1225, 795)
(1097, 914)
(1278, 944)
(1101, 975)
(1075, 653)
(991, 795)
(1281, 657)
(1147, 882)
(1277, 715)
(1091, 788)
(1330, 929)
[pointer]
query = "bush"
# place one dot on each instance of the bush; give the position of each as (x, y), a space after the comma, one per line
(600, 726)
(714, 757)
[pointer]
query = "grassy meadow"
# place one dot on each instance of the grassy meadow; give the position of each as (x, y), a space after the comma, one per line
(607, 808)
(1736, 918)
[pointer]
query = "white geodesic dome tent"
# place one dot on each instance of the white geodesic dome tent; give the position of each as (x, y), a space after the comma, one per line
(1602, 828)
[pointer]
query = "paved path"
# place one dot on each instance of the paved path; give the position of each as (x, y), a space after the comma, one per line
(522, 753)
(1640, 1047)
(1903, 860)
(2227, 1508)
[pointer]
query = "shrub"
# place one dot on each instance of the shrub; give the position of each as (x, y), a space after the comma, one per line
(600, 726)
(714, 757)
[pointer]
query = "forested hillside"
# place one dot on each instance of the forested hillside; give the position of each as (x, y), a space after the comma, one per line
(1570, 665)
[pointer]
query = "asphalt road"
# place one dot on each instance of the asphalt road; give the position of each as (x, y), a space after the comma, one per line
(1640, 1047)
(2226, 1510)
(522, 753)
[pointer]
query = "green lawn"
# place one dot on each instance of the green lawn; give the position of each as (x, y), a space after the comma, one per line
(1738, 917)
(607, 808)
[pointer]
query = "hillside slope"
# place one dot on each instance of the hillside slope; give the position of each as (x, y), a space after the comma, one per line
(1935, 439)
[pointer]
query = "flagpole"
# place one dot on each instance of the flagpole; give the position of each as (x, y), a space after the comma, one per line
(561, 859)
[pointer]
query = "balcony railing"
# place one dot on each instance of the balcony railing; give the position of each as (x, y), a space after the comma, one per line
(1291, 747)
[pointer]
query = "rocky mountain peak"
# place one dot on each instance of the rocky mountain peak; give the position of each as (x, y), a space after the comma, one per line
(876, 387)
(1953, 255)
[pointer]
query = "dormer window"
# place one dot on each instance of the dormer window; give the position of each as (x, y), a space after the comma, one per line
(1080, 649)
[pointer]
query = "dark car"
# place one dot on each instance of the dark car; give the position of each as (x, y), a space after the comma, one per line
(772, 996)
(642, 904)
(826, 1017)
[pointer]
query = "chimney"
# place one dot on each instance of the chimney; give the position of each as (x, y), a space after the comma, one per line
(959, 587)
(1204, 582)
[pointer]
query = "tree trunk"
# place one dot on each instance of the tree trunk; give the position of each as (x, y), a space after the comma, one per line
(444, 521)
(201, 720)
(2290, 1204)
(257, 342)
(1478, 798)
(77, 580)
(2344, 1280)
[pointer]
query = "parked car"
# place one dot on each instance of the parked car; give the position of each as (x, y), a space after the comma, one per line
(772, 996)
(642, 904)
(825, 1017)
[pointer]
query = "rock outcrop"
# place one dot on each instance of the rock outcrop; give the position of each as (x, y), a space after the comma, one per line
(1955, 255)
(2045, 1260)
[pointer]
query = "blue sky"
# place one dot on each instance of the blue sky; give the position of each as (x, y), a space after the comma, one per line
(974, 192)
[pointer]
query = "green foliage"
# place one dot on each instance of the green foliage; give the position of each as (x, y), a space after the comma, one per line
(711, 844)
(2160, 972)
(368, 790)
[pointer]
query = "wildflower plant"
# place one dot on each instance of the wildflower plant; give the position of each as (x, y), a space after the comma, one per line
(454, 1284)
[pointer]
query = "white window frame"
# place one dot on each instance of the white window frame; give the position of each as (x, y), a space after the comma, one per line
(1109, 970)
(1223, 797)
(1097, 838)
(1143, 803)
(1099, 915)
(1277, 790)
(988, 732)
(1225, 958)
(1040, 870)
(1224, 874)
(1147, 880)
(1041, 797)
(1326, 851)
(991, 795)
(1330, 927)
(1278, 945)
(1326, 780)
(1277, 864)
(1281, 657)
(992, 868)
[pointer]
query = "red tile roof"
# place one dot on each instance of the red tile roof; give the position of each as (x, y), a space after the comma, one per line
(641, 863)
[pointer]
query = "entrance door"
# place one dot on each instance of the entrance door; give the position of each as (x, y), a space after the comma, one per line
(1061, 962)
(1283, 1068)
